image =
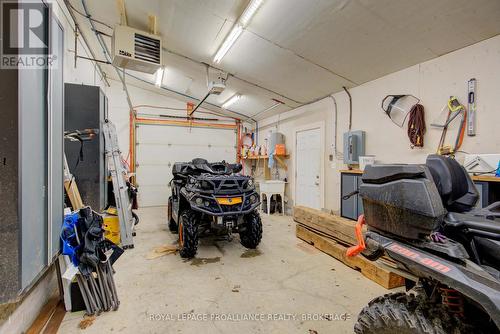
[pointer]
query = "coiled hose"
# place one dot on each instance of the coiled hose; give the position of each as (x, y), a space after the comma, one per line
(416, 126)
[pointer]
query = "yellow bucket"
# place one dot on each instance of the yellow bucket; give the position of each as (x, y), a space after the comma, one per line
(111, 226)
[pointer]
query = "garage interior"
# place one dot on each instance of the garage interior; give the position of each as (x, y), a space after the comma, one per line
(250, 166)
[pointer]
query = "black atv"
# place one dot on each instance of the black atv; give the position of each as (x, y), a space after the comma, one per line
(422, 217)
(212, 198)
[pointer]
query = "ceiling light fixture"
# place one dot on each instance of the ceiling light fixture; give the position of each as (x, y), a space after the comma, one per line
(250, 11)
(159, 76)
(228, 42)
(231, 100)
(238, 27)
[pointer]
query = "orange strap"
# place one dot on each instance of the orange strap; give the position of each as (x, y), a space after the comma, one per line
(355, 250)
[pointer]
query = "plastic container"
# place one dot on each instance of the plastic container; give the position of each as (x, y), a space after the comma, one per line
(280, 149)
(366, 160)
(111, 226)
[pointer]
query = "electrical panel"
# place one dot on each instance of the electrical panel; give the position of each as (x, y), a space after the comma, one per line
(354, 146)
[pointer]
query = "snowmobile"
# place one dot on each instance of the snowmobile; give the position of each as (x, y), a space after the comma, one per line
(212, 198)
(423, 218)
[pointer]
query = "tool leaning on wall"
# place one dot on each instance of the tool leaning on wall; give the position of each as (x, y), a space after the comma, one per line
(455, 109)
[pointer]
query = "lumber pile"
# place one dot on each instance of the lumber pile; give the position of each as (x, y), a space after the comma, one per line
(332, 235)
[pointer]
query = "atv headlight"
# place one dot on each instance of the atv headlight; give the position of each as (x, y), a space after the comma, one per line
(250, 183)
(253, 199)
(199, 201)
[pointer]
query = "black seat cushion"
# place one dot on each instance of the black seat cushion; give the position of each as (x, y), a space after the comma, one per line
(453, 183)
(489, 251)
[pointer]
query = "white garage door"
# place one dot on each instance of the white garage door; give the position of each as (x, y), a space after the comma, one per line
(160, 146)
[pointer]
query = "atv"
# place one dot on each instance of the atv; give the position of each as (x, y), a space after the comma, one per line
(422, 221)
(212, 198)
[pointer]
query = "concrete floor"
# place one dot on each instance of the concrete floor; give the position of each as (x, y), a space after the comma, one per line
(286, 279)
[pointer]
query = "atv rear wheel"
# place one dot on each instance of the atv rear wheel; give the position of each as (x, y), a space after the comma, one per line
(188, 234)
(251, 233)
(172, 225)
(400, 313)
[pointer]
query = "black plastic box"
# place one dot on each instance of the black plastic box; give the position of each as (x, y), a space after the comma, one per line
(401, 200)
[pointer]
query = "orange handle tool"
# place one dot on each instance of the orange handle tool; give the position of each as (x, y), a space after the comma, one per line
(355, 250)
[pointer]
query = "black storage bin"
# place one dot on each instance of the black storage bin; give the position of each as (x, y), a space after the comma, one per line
(401, 200)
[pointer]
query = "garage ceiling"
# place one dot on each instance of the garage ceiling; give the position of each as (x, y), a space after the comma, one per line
(297, 51)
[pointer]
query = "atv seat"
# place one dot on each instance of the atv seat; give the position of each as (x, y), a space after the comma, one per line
(476, 225)
(490, 251)
(453, 183)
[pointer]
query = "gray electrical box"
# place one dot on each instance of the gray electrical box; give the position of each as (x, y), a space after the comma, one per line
(354, 146)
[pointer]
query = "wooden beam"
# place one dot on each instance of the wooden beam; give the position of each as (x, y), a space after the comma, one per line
(120, 4)
(73, 194)
(56, 319)
(369, 269)
(341, 229)
(187, 123)
(281, 162)
(152, 23)
(44, 316)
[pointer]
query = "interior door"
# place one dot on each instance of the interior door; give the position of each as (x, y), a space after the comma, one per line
(308, 168)
(160, 146)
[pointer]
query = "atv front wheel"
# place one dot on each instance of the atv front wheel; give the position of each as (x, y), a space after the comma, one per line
(400, 313)
(172, 225)
(188, 234)
(251, 233)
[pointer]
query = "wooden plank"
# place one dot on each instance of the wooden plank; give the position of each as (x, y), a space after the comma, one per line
(44, 316)
(351, 171)
(485, 178)
(152, 23)
(120, 4)
(281, 162)
(56, 319)
(369, 269)
(341, 229)
(73, 194)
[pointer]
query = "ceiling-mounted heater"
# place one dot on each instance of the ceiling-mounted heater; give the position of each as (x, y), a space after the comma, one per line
(136, 50)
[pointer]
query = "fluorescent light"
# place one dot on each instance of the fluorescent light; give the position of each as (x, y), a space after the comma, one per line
(242, 22)
(250, 11)
(228, 42)
(159, 76)
(231, 100)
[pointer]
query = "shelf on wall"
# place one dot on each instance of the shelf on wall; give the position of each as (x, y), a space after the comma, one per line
(258, 157)
(264, 158)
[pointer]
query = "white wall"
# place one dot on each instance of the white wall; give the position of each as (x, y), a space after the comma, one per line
(433, 82)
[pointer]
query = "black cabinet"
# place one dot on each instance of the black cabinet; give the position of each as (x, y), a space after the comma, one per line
(489, 192)
(86, 107)
(351, 207)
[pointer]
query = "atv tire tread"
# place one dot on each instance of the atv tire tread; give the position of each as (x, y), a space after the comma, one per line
(251, 236)
(189, 245)
(401, 313)
(172, 225)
